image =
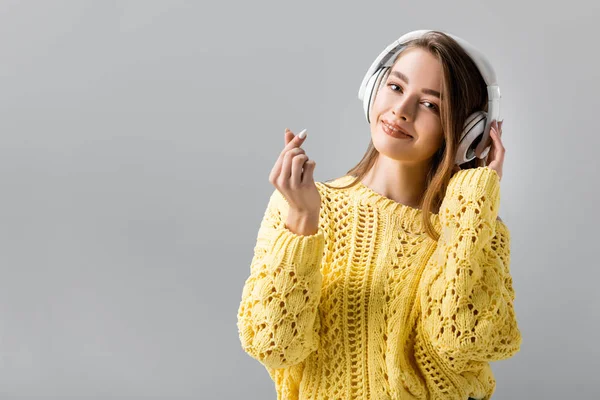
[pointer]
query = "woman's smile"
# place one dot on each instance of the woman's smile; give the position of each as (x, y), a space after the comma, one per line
(393, 133)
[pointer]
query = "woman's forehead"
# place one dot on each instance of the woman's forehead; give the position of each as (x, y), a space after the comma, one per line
(418, 67)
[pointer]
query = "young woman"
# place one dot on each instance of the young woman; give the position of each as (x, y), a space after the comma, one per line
(392, 281)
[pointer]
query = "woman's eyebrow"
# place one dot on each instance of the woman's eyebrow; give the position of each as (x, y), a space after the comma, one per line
(400, 75)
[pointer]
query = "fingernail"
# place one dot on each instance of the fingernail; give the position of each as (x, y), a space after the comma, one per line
(302, 134)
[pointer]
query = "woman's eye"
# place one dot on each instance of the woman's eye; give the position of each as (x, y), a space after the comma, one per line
(433, 106)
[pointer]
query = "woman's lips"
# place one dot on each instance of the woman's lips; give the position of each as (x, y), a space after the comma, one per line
(393, 133)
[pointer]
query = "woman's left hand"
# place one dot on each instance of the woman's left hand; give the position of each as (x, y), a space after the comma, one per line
(495, 157)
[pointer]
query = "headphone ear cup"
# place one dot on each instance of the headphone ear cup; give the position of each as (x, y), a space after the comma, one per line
(373, 86)
(471, 136)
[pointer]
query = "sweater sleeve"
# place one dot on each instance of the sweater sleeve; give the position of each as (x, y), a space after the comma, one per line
(278, 320)
(467, 296)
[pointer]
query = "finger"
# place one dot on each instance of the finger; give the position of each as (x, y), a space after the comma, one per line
(494, 130)
(493, 144)
(494, 136)
(498, 147)
(297, 164)
(308, 174)
(291, 141)
(289, 135)
(295, 141)
(286, 167)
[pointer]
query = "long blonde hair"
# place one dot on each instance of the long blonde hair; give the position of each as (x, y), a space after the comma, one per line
(463, 92)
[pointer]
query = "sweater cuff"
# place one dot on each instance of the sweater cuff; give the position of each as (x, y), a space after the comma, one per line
(475, 188)
(478, 181)
(302, 252)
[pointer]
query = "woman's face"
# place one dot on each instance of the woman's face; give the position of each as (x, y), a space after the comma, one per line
(413, 105)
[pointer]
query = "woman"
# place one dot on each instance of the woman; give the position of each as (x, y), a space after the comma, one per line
(392, 281)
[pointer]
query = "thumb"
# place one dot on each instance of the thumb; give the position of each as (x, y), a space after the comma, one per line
(288, 136)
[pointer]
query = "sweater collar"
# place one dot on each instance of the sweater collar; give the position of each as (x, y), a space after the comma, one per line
(365, 195)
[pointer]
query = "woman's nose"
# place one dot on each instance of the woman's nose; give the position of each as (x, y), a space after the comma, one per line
(403, 109)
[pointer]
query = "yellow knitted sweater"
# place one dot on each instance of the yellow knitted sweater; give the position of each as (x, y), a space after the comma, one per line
(370, 307)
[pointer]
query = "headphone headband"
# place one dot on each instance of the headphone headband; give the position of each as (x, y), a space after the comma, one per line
(387, 57)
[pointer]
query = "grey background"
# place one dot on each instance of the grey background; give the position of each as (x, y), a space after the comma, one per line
(137, 139)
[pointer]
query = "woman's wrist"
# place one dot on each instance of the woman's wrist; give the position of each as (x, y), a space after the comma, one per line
(302, 223)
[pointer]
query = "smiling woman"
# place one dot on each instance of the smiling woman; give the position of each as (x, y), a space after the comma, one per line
(356, 288)
(408, 109)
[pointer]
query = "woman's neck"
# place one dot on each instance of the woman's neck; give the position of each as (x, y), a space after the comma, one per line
(404, 183)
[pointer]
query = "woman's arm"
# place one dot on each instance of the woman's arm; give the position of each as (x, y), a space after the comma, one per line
(278, 320)
(466, 294)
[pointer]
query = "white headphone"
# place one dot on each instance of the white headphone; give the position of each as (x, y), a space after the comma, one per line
(476, 125)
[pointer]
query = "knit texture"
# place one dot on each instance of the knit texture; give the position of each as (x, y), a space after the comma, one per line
(370, 307)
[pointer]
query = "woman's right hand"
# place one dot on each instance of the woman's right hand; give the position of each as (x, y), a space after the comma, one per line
(292, 175)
